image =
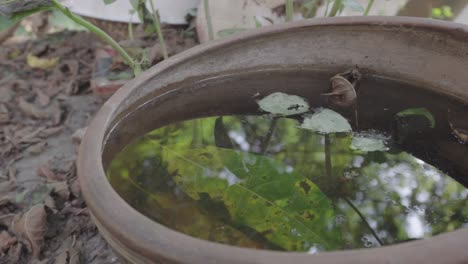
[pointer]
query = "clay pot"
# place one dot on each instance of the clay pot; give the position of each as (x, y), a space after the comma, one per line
(427, 53)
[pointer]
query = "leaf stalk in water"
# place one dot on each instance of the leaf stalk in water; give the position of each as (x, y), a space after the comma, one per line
(374, 234)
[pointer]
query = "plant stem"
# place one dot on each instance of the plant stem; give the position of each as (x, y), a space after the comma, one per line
(328, 183)
(368, 8)
(289, 10)
(335, 8)
(206, 4)
(101, 34)
(157, 25)
(326, 7)
(130, 30)
(269, 135)
(374, 234)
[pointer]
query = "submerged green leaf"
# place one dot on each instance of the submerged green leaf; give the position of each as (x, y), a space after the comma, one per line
(418, 112)
(326, 121)
(368, 143)
(283, 104)
(259, 193)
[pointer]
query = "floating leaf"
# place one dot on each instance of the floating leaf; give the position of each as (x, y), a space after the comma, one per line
(418, 112)
(368, 143)
(41, 63)
(326, 121)
(353, 5)
(283, 104)
(32, 227)
(259, 192)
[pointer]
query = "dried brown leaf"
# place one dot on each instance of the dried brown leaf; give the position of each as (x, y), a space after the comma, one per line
(31, 109)
(32, 227)
(42, 98)
(62, 258)
(4, 114)
(70, 253)
(74, 255)
(75, 188)
(37, 148)
(61, 189)
(45, 171)
(7, 186)
(50, 131)
(6, 241)
(50, 203)
(28, 135)
(6, 93)
(78, 135)
(14, 253)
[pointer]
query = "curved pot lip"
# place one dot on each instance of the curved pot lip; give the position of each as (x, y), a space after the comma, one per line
(149, 238)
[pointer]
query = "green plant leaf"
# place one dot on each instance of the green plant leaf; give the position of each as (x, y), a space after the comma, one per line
(229, 31)
(108, 2)
(61, 21)
(353, 5)
(418, 112)
(260, 193)
(6, 23)
(283, 104)
(368, 142)
(326, 121)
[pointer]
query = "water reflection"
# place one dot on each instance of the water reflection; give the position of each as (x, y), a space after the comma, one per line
(181, 175)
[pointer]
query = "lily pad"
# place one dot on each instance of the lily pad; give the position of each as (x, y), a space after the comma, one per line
(326, 121)
(368, 143)
(283, 104)
(418, 112)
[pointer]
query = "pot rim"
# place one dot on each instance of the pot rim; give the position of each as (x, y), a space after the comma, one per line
(147, 239)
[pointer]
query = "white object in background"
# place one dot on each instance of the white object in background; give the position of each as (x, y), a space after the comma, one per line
(170, 11)
(235, 14)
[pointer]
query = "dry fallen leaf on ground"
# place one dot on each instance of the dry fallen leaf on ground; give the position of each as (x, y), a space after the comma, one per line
(46, 172)
(42, 98)
(37, 148)
(6, 241)
(78, 135)
(4, 114)
(41, 63)
(61, 189)
(32, 227)
(69, 256)
(31, 110)
(14, 253)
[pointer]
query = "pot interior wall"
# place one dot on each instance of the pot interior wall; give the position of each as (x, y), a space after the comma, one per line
(379, 99)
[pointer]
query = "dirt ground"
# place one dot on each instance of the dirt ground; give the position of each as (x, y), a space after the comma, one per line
(43, 110)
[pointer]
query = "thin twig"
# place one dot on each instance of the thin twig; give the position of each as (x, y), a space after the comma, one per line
(157, 25)
(374, 234)
(206, 4)
(368, 8)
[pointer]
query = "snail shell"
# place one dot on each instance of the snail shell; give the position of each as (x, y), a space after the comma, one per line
(342, 92)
